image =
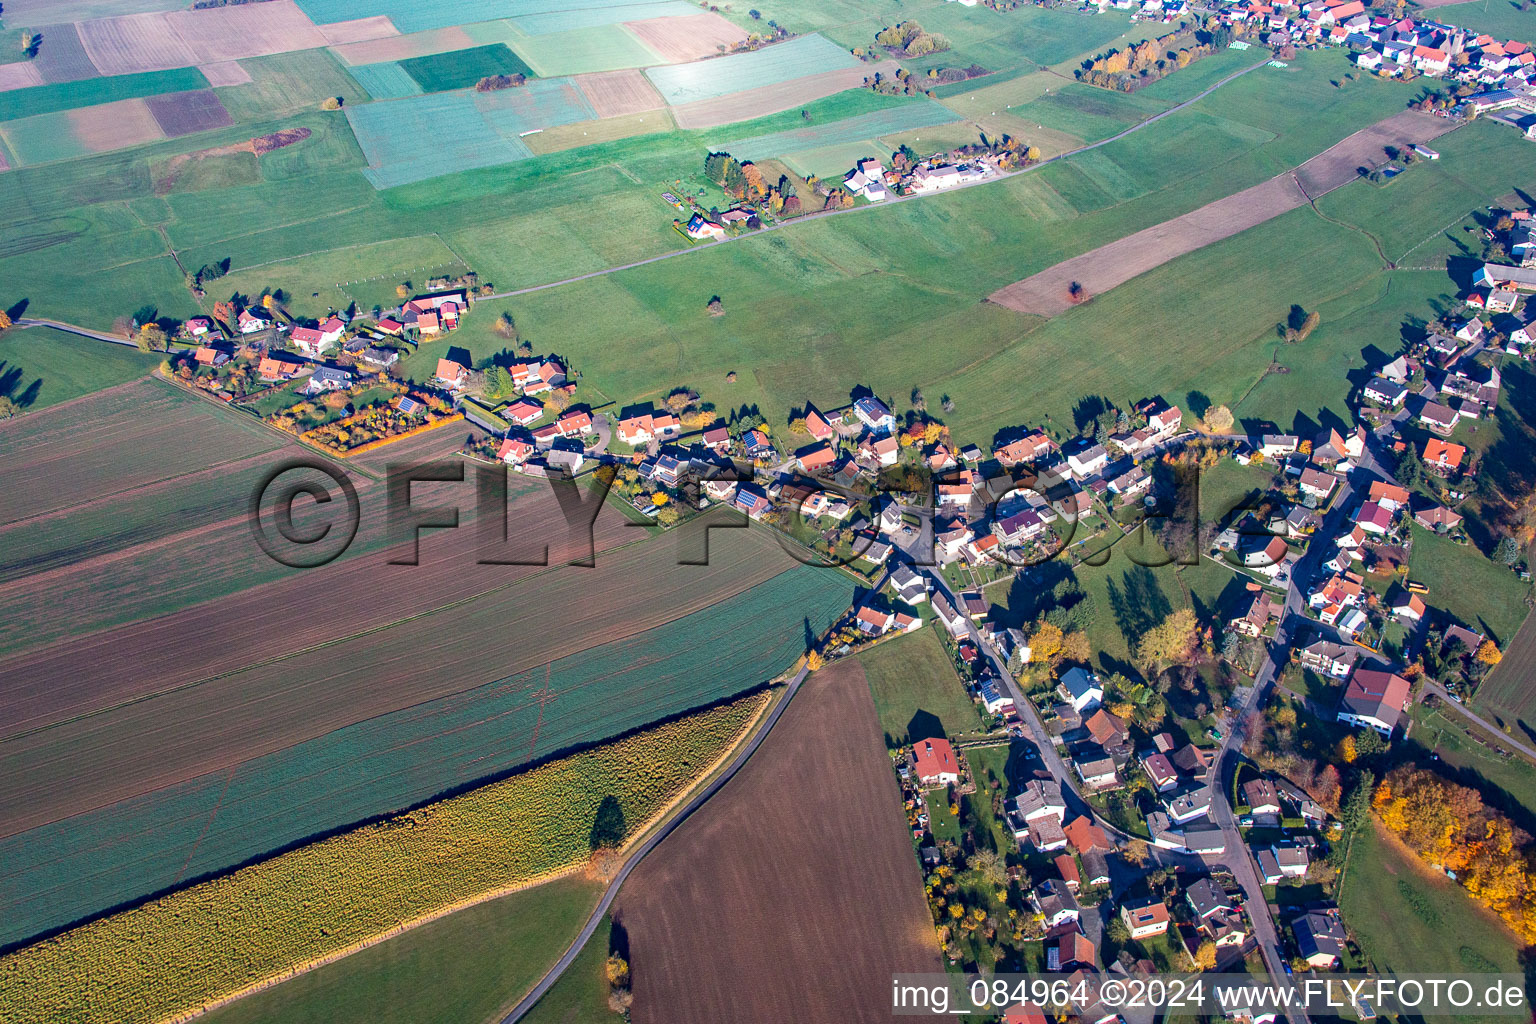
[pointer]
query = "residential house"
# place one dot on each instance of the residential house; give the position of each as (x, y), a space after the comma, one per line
(1161, 771)
(1082, 688)
(1188, 805)
(1145, 917)
(934, 763)
(1320, 938)
(249, 322)
(523, 412)
(210, 355)
(874, 414)
(1328, 658)
(514, 451)
(1273, 445)
(1318, 484)
(1261, 796)
(816, 458)
(1019, 528)
(1442, 456)
(1096, 772)
(909, 586)
(1389, 496)
(1044, 834)
(751, 500)
(1084, 835)
(382, 358)
(1088, 461)
(451, 375)
(1374, 698)
(1373, 518)
(1054, 902)
(701, 228)
(1255, 614)
(1193, 761)
(1032, 448)
(1407, 607)
(273, 368)
(1070, 951)
(1207, 900)
(576, 423)
(873, 621)
(1386, 392)
(1439, 418)
(325, 379)
(1437, 518)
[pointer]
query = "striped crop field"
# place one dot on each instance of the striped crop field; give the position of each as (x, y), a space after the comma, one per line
(917, 114)
(321, 899)
(719, 76)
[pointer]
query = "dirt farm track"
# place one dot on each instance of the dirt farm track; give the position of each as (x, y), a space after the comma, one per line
(794, 894)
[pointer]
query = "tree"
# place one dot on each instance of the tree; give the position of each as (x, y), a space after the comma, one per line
(498, 382)
(332, 103)
(8, 408)
(1167, 643)
(150, 338)
(506, 327)
(402, 289)
(1507, 551)
(1032, 154)
(715, 306)
(1347, 750)
(1136, 852)
(617, 971)
(5, 320)
(1205, 956)
(1217, 420)
(1488, 653)
(31, 42)
(1117, 932)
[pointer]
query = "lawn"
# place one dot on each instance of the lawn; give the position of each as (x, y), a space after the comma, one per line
(1473, 590)
(40, 366)
(581, 994)
(469, 966)
(1507, 780)
(1408, 919)
(917, 693)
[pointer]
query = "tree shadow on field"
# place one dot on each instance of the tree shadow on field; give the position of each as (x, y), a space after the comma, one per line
(608, 824)
(925, 725)
(10, 386)
(1138, 603)
(618, 939)
(18, 308)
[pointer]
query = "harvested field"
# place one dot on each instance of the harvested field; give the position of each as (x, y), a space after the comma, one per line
(804, 853)
(592, 133)
(33, 11)
(157, 41)
(358, 30)
(756, 70)
(679, 40)
(418, 44)
(907, 116)
(549, 22)
(614, 93)
(1048, 292)
(759, 102)
(75, 133)
(183, 113)
(228, 72)
(402, 758)
(62, 57)
(415, 16)
(543, 103)
(136, 42)
(584, 50)
(22, 74)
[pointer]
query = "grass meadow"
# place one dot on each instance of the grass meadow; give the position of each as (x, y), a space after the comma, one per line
(917, 693)
(1409, 919)
(429, 976)
(40, 366)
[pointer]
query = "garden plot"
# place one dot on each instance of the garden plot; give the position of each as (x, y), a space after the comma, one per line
(908, 116)
(183, 113)
(759, 69)
(678, 40)
(615, 93)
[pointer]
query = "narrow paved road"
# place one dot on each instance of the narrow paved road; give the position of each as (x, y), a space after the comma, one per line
(83, 332)
(1504, 738)
(649, 844)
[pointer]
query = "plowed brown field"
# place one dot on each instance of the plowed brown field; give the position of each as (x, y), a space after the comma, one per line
(770, 99)
(680, 40)
(794, 894)
(613, 93)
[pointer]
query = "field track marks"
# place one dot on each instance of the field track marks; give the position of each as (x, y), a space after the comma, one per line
(1048, 292)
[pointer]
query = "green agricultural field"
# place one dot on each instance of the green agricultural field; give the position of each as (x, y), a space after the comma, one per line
(917, 693)
(581, 50)
(1502, 19)
(1474, 590)
(40, 366)
(227, 170)
(471, 965)
(365, 274)
(1022, 38)
(46, 99)
(1479, 165)
(1506, 780)
(581, 994)
(287, 83)
(459, 69)
(1189, 82)
(1408, 919)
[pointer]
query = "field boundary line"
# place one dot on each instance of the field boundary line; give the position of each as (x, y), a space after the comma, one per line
(647, 827)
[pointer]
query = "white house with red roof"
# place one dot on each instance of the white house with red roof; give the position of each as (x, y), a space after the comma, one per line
(934, 763)
(514, 451)
(451, 375)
